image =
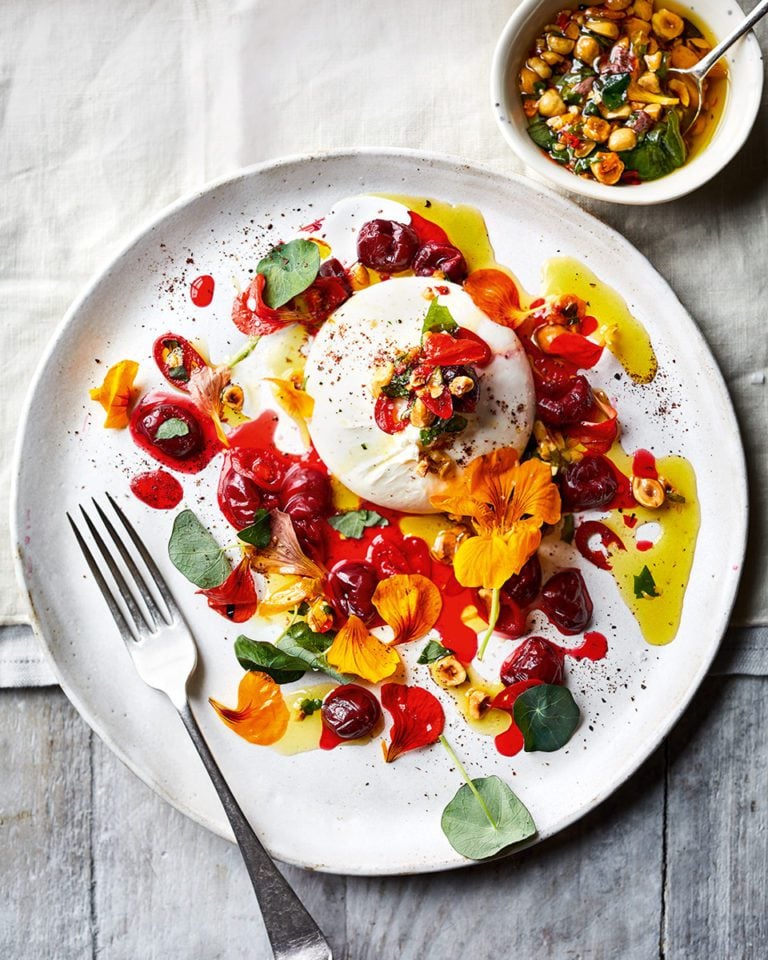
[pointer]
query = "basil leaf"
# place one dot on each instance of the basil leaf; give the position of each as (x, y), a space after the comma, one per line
(170, 428)
(259, 533)
(541, 135)
(195, 553)
(645, 585)
(308, 707)
(568, 82)
(661, 151)
(433, 651)
(479, 828)
(438, 320)
(302, 634)
(263, 656)
(352, 523)
(428, 435)
(547, 715)
(612, 88)
(303, 643)
(289, 269)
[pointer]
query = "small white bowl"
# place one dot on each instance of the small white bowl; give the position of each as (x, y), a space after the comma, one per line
(745, 67)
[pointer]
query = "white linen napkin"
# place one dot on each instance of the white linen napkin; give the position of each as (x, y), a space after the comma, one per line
(110, 111)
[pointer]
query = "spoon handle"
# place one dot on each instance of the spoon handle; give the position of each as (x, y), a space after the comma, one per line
(704, 65)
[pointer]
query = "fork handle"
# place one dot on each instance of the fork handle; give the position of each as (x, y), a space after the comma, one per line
(293, 934)
(704, 65)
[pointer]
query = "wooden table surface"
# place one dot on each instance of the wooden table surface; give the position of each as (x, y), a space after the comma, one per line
(673, 866)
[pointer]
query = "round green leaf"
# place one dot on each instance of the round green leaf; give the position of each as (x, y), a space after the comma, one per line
(547, 715)
(289, 269)
(484, 818)
(195, 553)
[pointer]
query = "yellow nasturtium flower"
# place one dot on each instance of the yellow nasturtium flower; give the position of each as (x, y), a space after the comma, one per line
(507, 502)
(116, 392)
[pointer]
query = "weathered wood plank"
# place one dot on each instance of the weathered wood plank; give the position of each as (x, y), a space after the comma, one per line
(45, 797)
(717, 824)
(567, 899)
(164, 887)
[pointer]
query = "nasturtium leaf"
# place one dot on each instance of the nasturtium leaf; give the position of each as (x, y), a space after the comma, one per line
(433, 651)
(645, 585)
(195, 553)
(546, 715)
(288, 270)
(259, 533)
(260, 655)
(173, 427)
(481, 826)
(438, 320)
(352, 523)
(611, 89)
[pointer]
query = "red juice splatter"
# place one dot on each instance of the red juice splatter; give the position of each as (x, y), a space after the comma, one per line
(644, 465)
(158, 489)
(201, 290)
(594, 647)
(644, 545)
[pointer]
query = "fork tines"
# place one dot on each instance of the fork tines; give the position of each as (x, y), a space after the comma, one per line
(143, 620)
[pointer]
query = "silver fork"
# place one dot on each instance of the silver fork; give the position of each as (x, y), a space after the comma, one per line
(164, 653)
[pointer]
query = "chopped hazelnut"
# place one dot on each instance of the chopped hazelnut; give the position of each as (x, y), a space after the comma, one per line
(461, 385)
(448, 672)
(478, 703)
(381, 377)
(420, 416)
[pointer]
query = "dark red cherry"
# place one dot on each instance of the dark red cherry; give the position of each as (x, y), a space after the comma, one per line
(351, 584)
(588, 484)
(333, 268)
(265, 467)
(443, 257)
(566, 601)
(386, 245)
(172, 429)
(311, 533)
(524, 587)
(309, 483)
(239, 497)
(561, 403)
(535, 659)
(350, 711)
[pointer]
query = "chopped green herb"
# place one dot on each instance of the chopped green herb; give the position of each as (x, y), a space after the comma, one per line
(433, 651)
(428, 435)
(645, 585)
(353, 523)
(438, 320)
(308, 707)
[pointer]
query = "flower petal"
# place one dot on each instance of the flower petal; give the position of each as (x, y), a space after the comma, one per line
(489, 560)
(116, 392)
(297, 404)
(497, 296)
(236, 598)
(409, 603)
(535, 494)
(289, 594)
(417, 716)
(261, 715)
(284, 554)
(355, 650)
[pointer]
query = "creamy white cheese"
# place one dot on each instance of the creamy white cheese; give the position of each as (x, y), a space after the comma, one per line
(377, 324)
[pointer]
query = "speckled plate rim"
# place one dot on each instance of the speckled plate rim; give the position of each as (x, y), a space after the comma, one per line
(739, 494)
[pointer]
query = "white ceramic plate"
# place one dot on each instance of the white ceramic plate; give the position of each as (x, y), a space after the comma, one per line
(346, 811)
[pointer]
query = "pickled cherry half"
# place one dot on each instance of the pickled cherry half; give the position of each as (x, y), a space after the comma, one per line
(587, 485)
(535, 659)
(566, 601)
(350, 711)
(351, 585)
(386, 245)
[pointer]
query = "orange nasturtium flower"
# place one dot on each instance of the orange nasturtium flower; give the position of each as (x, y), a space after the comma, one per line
(116, 392)
(507, 502)
(261, 715)
(296, 402)
(356, 650)
(409, 603)
(496, 294)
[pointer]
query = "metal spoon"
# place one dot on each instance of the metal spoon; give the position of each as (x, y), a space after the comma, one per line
(698, 72)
